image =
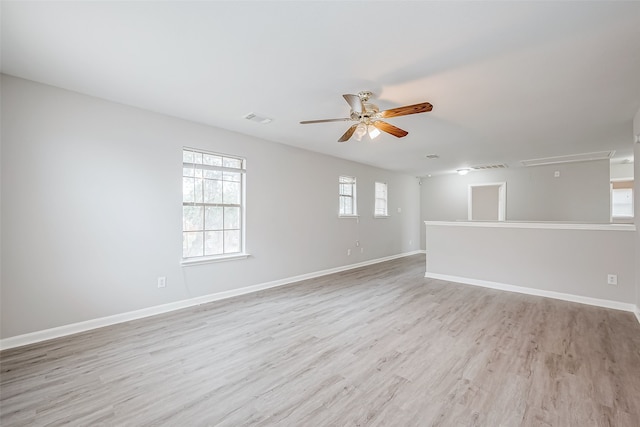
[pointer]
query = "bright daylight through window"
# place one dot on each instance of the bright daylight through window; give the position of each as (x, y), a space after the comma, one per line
(380, 208)
(622, 202)
(347, 196)
(212, 204)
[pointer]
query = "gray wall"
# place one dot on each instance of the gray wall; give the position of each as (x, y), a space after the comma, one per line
(574, 262)
(579, 194)
(622, 171)
(91, 210)
(484, 203)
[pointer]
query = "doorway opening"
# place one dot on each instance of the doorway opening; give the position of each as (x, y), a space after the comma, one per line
(487, 202)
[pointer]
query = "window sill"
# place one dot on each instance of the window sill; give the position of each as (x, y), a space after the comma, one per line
(208, 260)
(349, 216)
(381, 216)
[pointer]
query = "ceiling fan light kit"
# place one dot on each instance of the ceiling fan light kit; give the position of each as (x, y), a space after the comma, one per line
(368, 117)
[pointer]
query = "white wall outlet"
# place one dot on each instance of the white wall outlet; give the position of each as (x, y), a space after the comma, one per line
(410, 242)
(162, 282)
(348, 252)
(612, 279)
(361, 250)
(399, 210)
(357, 243)
(556, 174)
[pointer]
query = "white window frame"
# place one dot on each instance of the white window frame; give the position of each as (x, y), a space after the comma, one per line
(347, 182)
(381, 196)
(199, 177)
(622, 184)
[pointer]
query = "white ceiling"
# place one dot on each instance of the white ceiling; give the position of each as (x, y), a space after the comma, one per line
(509, 81)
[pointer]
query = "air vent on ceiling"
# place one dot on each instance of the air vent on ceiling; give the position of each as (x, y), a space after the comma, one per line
(485, 167)
(432, 156)
(258, 119)
(600, 155)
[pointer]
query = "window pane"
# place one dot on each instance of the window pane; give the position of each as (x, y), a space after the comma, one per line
(212, 174)
(231, 193)
(231, 163)
(622, 202)
(187, 156)
(188, 171)
(213, 218)
(381, 207)
(213, 243)
(231, 241)
(231, 218)
(210, 159)
(347, 179)
(212, 191)
(346, 189)
(192, 218)
(188, 190)
(231, 176)
(346, 206)
(192, 244)
(197, 158)
(198, 190)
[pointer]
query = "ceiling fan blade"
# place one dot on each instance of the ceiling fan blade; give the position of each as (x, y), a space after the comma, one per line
(355, 102)
(348, 133)
(406, 110)
(389, 128)
(306, 122)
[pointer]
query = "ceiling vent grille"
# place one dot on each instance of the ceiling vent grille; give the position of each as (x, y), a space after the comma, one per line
(258, 119)
(486, 167)
(432, 156)
(600, 155)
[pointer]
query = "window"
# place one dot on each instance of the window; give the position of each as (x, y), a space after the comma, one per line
(347, 196)
(380, 208)
(212, 204)
(622, 199)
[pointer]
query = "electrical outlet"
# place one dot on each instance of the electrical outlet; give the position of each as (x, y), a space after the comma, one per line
(357, 243)
(612, 279)
(348, 252)
(361, 250)
(162, 282)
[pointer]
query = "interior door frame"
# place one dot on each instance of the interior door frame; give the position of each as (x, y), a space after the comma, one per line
(502, 199)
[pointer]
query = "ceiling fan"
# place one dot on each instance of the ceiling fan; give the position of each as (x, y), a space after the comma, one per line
(368, 117)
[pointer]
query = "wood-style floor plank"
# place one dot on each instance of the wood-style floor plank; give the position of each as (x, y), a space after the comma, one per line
(375, 346)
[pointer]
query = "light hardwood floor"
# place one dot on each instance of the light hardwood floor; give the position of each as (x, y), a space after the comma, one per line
(379, 345)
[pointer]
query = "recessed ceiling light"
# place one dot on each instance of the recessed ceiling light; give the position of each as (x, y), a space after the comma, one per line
(462, 171)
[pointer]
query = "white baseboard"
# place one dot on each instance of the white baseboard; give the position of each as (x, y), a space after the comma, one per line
(74, 328)
(538, 292)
